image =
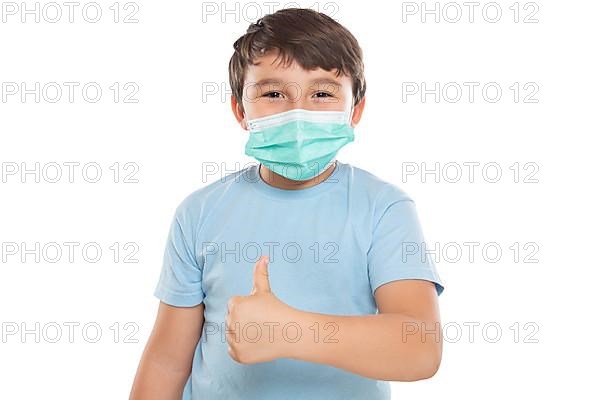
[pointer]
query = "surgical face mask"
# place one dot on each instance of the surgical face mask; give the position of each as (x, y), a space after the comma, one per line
(299, 144)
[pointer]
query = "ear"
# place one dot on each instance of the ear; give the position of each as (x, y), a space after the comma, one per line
(357, 113)
(238, 112)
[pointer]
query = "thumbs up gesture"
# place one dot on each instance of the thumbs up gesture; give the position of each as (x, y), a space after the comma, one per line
(254, 323)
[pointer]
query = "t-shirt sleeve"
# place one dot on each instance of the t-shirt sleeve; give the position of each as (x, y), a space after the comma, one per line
(398, 248)
(180, 282)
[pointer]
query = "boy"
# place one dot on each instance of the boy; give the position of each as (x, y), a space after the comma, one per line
(301, 277)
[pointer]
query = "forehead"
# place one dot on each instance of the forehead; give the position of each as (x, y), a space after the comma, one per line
(270, 70)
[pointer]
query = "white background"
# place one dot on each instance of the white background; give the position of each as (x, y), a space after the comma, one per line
(176, 51)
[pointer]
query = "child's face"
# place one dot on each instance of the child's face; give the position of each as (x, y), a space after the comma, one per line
(270, 88)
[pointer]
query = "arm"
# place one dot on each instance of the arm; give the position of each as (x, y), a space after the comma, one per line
(167, 359)
(401, 343)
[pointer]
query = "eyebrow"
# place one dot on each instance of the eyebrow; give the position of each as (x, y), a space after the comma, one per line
(268, 81)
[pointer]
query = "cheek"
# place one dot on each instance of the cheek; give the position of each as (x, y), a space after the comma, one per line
(262, 108)
(343, 98)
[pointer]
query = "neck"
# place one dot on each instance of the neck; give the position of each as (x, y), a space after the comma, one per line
(282, 182)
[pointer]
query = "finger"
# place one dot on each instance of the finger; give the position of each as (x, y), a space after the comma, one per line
(261, 276)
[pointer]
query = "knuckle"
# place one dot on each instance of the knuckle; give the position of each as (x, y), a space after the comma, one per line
(231, 352)
(233, 301)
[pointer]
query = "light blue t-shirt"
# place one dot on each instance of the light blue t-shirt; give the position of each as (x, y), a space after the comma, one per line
(329, 246)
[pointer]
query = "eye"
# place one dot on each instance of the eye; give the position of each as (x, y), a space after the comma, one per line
(273, 95)
(323, 94)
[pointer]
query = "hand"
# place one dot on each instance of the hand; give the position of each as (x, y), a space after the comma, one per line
(255, 323)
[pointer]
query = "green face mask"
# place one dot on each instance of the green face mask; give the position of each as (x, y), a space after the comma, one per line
(299, 144)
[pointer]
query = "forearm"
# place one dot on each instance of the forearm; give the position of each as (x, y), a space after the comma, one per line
(156, 381)
(382, 346)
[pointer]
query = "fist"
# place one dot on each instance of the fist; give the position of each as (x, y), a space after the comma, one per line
(254, 323)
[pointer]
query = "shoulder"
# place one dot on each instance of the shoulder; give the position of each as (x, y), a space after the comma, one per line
(197, 204)
(381, 192)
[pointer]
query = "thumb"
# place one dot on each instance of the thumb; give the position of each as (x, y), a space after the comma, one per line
(261, 276)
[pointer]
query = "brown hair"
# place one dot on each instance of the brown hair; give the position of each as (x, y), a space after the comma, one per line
(311, 38)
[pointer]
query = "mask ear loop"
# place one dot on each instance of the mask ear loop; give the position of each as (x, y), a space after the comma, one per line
(334, 160)
(350, 116)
